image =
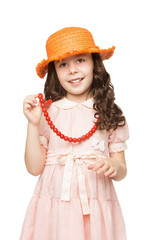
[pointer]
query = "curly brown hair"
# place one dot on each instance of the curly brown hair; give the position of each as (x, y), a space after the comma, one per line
(110, 115)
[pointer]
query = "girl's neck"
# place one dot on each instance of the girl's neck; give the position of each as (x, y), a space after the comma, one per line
(78, 98)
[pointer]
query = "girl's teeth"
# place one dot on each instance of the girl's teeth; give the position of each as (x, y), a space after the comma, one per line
(74, 81)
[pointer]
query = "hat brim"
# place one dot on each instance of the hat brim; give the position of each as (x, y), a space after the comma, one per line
(42, 67)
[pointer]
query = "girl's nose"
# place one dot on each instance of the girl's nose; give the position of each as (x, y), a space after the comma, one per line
(72, 69)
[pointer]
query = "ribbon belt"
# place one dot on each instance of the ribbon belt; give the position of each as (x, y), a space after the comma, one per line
(68, 160)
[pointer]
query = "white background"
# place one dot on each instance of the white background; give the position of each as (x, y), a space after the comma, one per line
(133, 27)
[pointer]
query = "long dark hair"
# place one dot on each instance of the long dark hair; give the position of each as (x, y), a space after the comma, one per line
(110, 115)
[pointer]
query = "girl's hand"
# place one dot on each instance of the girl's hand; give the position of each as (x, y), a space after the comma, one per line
(31, 109)
(106, 166)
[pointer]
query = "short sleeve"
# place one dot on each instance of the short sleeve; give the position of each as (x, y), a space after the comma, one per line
(117, 139)
(43, 132)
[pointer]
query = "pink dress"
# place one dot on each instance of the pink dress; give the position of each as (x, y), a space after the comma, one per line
(70, 201)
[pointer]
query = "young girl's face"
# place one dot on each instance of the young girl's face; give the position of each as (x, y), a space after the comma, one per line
(75, 74)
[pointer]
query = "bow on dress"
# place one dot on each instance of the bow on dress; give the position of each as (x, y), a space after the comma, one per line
(68, 160)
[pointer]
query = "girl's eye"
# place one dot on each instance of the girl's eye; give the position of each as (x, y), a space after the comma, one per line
(62, 65)
(80, 60)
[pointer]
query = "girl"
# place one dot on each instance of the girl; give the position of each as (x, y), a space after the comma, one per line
(77, 145)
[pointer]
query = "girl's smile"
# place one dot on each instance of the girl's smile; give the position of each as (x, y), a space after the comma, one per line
(76, 81)
(75, 74)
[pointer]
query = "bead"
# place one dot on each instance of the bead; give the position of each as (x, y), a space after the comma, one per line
(58, 133)
(50, 122)
(52, 126)
(79, 139)
(65, 138)
(95, 127)
(40, 95)
(44, 109)
(93, 130)
(83, 137)
(49, 101)
(62, 136)
(55, 130)
(46, 114)
(75, 140)
(47, 118)
(87, 135)
(90, 133)
(70, 139)
(41, 100)
(42, 105)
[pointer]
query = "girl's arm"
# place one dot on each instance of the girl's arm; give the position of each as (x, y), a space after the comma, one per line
(35, 153)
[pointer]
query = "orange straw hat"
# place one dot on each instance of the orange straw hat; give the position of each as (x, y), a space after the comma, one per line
(67, 42)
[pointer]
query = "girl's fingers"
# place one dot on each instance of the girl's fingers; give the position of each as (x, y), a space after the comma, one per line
(96, 166)
(33, 95)
(30, 104)
(109, 172)
(32, 98)
(103, 168)
(113, 174)
(30, 101)
(91, 166)
(27, 107)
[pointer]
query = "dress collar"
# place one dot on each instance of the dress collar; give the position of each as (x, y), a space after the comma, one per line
(64, 103)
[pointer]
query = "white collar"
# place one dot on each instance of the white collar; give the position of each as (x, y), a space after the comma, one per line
(65, 103)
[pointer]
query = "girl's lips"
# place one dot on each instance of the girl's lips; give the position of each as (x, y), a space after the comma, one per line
(76, 81)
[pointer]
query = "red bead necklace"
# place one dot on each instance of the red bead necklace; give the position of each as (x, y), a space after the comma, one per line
(55, 130)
